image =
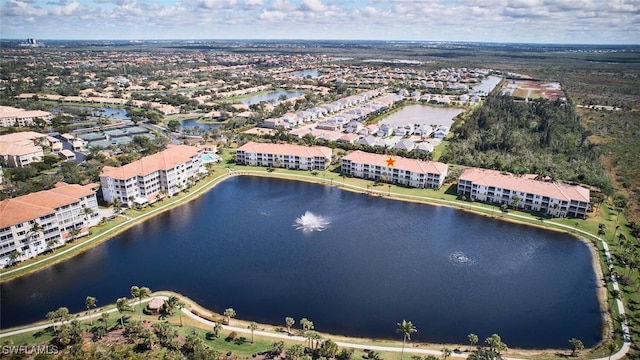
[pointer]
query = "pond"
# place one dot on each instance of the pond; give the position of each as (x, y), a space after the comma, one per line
(422, 115)
(353, 264)
(486, 85)
(113, 113)
(312, 73)
(271, 97)
(192, 123)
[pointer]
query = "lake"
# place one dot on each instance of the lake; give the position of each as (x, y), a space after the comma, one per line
(271, 97)
(377, 261)
(422, 115)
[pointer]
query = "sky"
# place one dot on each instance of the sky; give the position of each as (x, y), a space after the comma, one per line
(511, 21)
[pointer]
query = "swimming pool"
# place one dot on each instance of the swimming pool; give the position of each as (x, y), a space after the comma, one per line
(207, 158)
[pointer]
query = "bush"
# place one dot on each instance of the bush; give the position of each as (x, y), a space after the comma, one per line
(232, 336)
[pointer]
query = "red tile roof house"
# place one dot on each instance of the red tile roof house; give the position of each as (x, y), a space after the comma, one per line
(559, 200)
(284, 155)
(142, 181)
(57, 211)
(395, 169)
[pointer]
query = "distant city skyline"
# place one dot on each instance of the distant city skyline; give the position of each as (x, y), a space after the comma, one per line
(508, 21)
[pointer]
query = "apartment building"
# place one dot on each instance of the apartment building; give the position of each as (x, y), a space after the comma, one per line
(34, 223)
(142, 181)
(525, 192)
(395, 169)
(287, 156)
(22, 148)
(10, 116)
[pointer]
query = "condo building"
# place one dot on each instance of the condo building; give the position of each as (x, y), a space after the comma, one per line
(525, 192)
(34, 223)
(395, 169)
(10, 116)
(22, 148)
(287, 156)
(143, 181)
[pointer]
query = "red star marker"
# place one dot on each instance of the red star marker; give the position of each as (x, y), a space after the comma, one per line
(390, 162)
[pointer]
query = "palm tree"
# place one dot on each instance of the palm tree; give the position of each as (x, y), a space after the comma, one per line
(576, 346)
(170, 304)
(180, 305)
(406, 328)
(306, 324)
(122, 304)
(90, 302)
(446, 352)
(295, 351)
(52, 316)
(289, 321)
(33, 232)
(473, 339)
(229, 313)
(611, 347)
(252, 326)
(104, 317)
(13, 256)
(216, 330)
(86, 211)
(140, 293)
(516, 200)
(51, 244)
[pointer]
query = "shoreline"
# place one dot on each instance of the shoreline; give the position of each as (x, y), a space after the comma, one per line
(601, 290)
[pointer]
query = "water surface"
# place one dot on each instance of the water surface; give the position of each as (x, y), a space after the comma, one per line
(376, 262)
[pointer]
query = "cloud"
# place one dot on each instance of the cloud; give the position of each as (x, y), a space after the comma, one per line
(313, 5)
(469, 20)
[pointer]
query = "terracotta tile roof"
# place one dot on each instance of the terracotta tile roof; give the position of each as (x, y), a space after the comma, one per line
(164, 160)
(413, 165)
(526, 184)
(286, 149)
(11, 112)
(35, 205)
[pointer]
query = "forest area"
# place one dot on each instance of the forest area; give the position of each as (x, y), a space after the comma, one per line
(537, 137)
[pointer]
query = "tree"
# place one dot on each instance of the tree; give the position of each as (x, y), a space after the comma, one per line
(36, 228)
(51, 316)
(495, 344)
(289, 321)
(306, 324)
(446, 352)
(170, 304)
(217, 327)
(86, 211)
(51, 244)
(228, 314)
(406, 328)
(329, 349)
(104, 317)
(576, 346)
(611, 347)
(516, 201)
(122, 304)
(314, 338)
(295, 351)
(140, 293)
(473, 340)
(173, 125)
(252, 326)
(90, 302)
(14, 256)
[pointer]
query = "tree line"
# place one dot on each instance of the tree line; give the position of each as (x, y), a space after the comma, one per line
(538, 137)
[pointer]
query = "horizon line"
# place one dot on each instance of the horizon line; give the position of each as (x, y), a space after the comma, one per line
(134, 40)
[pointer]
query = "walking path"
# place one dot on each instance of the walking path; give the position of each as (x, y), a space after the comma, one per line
(618, 355)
